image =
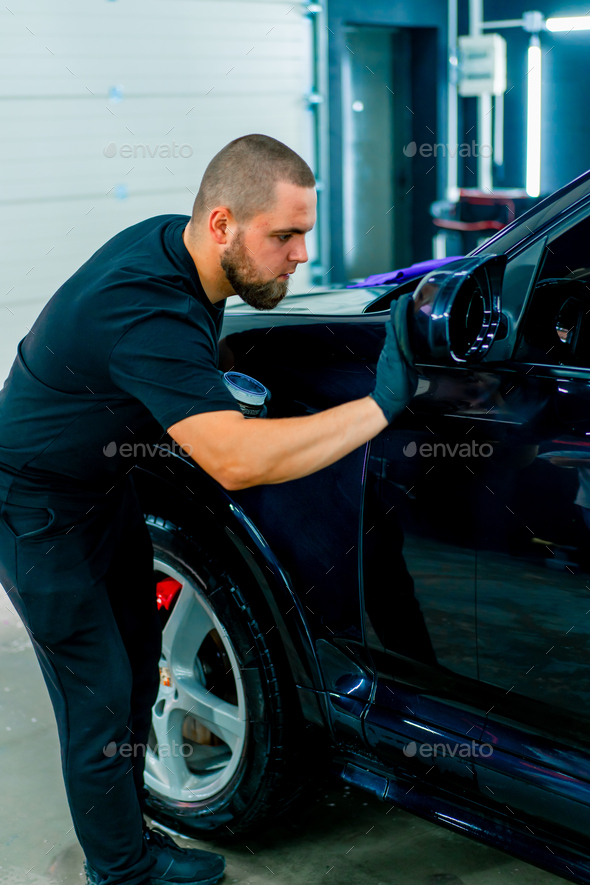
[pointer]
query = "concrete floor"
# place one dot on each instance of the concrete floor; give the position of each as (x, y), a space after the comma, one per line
(344, 836)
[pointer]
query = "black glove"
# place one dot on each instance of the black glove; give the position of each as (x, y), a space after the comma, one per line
(397, 378)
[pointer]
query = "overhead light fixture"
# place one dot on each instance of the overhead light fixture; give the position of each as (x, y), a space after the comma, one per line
(533, 128)
(569, 23)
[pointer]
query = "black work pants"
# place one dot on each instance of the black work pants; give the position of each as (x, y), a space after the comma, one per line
(83, 585)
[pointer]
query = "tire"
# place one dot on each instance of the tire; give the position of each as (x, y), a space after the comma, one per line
(241, 754)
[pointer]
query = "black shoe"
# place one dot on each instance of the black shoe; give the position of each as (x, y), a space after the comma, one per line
(174, 865)
(181, 866)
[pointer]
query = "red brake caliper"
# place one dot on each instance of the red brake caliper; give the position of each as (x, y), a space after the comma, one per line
(166, 591)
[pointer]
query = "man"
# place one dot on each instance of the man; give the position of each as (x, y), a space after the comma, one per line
(126, 349)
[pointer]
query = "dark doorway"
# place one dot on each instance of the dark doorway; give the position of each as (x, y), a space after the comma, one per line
(388, 104)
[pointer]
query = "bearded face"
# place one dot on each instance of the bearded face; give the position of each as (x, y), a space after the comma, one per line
(244, 278)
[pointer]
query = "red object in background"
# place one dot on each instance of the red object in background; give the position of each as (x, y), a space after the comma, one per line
(477, 210)
(477, 215)
(166, 590)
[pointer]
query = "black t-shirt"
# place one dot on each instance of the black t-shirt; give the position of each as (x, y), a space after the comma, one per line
(125, 348)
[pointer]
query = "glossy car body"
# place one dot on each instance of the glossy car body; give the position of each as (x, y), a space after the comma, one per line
(432, 588)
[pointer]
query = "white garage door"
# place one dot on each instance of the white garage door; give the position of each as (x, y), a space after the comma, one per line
(112, 110)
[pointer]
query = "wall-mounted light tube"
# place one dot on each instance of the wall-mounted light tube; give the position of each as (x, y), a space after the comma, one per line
(533, 129)
(569, 23)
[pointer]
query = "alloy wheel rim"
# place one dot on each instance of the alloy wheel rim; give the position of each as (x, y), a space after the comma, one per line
(199, 729)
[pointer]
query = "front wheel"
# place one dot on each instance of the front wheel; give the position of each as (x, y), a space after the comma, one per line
(225, 750)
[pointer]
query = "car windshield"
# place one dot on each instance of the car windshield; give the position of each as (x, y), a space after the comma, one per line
(541, 214)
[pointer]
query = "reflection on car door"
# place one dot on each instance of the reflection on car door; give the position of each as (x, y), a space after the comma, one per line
(419, 561)
(533, 559)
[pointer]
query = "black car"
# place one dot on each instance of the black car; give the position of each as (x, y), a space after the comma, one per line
(416, 617)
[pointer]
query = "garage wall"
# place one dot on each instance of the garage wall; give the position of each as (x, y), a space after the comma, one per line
(89, 90)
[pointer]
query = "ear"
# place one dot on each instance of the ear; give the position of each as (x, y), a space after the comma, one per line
(221, 224)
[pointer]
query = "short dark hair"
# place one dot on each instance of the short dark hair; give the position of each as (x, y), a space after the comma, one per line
(244, 174)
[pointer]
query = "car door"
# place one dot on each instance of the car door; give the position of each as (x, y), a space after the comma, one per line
(312, 523)
(531, 520)
(420, 559)
(419, 571)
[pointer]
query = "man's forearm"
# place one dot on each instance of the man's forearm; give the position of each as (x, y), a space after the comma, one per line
(263, 451)
(242, 452)
(281, 449)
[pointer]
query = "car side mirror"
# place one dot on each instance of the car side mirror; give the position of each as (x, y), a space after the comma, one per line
(457, 309)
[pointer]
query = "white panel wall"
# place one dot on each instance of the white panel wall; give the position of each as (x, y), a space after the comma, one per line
(77, 78)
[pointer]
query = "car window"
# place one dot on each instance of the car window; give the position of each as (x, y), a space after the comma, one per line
(556, 328)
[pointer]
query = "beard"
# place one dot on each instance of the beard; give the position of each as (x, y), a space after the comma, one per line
(243, 276)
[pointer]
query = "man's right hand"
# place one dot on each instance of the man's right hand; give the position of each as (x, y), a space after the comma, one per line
(397, 378)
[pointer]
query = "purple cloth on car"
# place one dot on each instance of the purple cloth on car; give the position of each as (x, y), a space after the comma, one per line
(406, 273)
